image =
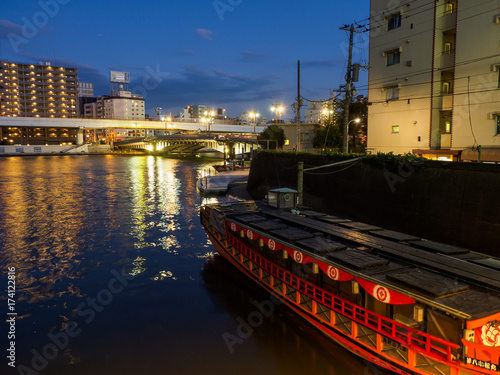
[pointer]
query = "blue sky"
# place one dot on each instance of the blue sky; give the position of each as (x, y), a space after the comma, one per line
(239, 55)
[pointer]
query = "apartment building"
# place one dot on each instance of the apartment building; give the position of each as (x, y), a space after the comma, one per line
(123, 106)
(434, 84)
(38, 90)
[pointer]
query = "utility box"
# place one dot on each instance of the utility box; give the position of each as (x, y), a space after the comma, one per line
(283, 198)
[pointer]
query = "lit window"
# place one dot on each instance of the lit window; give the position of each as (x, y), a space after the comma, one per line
(395, 129)
(449, 8)
(393, 57)
(392, 93)
(447, 127)
(497, 118)
(448, 48)
(446, 88)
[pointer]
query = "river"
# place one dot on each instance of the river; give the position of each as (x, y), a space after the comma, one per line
(115, 275)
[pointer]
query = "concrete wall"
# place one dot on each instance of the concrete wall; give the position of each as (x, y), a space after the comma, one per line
(455, 203)
(35, 150)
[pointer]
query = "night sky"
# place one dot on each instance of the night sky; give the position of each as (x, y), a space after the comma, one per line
(240, 55)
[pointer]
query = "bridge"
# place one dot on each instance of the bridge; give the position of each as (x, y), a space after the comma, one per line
(214, 145)
(79, 126)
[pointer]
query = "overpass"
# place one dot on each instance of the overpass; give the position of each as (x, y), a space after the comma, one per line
(193, 125)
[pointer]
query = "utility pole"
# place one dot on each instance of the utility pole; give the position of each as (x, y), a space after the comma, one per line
(299, 103)
(345, 133)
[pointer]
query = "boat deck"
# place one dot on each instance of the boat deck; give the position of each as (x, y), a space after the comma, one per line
(453, 279)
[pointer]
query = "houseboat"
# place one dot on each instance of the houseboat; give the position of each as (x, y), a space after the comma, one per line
(406, 304)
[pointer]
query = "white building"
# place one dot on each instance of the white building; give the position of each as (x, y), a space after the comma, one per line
(126, 106)
(434, 84)
(313, 114)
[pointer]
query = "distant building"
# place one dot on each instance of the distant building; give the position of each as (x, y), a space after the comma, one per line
(126, 106)
(85, 96)
(185, 113)
(85, 90)
(307, 133)
(197, 111)
(245, 119)
(434, 79)
(313, 114)
(38, 90)
(221, 114)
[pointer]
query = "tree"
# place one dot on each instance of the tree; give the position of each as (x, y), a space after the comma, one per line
(357, 131)
(329, 136)
(272, 137)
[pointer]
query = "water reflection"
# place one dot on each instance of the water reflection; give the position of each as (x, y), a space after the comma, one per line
(295, 346)
(67, 223)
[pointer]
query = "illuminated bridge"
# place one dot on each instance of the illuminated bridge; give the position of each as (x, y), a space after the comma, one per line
(214, 145)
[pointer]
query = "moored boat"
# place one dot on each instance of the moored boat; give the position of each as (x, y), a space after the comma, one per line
(406, 304)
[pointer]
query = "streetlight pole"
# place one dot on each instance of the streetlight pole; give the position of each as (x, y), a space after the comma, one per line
(345, 144)
(254, 116)
(356, 120)
(277, 108)
(208, 120)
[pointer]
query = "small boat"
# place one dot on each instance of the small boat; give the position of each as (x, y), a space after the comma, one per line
(406, 304)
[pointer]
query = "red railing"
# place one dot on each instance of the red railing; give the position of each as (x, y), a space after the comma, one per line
(407, 336)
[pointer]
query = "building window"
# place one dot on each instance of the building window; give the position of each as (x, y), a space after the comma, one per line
(392, 93)
(395, 129)
(446, 88)
(448, 48)
(447, 127)
(497, 120)
(449, 7)
(393, 57)
(394, 22)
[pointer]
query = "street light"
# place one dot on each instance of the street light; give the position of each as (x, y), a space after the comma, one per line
(277, 108)
(356, 120)
(254, 116)
(209, 117)
(328, 112)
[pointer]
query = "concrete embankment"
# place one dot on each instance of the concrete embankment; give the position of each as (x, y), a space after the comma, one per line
(30, 150)
(454, 203)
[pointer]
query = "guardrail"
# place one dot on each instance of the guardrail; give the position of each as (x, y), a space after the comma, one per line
(420, 341)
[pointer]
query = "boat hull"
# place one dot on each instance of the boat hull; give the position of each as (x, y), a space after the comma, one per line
(279, 284)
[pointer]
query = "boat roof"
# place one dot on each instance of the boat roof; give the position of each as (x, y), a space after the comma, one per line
(456, 280)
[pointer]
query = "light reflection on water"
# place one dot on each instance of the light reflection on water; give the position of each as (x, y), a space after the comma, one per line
(66, 223)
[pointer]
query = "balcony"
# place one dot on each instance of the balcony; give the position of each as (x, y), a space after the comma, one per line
(445, 141)
(448, 60)
(449, 21)
(447, 102)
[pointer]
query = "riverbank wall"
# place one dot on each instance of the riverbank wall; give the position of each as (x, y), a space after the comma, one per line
(28, 150)
(453, 203)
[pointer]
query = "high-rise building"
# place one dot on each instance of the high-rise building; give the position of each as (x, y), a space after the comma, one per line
(434, 84)
(38, 90)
